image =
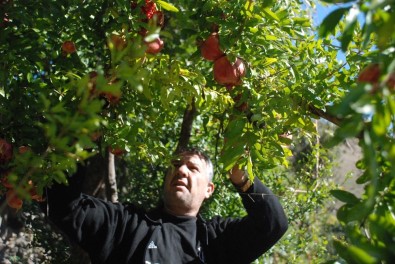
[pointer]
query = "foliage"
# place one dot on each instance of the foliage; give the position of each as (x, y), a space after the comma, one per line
(368, 113)
(52, 90)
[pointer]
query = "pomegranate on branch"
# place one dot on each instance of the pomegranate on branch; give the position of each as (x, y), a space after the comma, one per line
(118, 42)
(6, 151)
(68, 47)
(228, 74)
(155, 46)
(13, 200)
(210, 48)
(149, 9)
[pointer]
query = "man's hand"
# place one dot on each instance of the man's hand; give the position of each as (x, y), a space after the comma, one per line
(239, 178)
(237, 175)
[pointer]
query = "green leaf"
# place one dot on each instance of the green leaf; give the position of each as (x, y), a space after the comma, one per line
(354, 212)
(270, 37)
(330, 22)
(353, 96)
(269, 13)
(257, 155)
(351, 22)
(345, 196)
(354, 254)
(231, 156)
(234, 128)
(269, 61)
(381, 120)
(29, 77)
(301, 121)
(167, 6)
(364, 178)
(249, 168)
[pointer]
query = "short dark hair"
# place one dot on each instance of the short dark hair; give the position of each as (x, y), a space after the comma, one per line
(202, 155)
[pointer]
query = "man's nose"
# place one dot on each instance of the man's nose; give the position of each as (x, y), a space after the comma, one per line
(182, 170)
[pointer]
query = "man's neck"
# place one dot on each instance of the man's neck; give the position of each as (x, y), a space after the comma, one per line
(180, 212)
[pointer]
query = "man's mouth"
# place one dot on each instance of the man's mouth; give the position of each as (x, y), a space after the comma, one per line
(180, 183)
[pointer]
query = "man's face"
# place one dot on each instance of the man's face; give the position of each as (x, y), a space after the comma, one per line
(187, 185)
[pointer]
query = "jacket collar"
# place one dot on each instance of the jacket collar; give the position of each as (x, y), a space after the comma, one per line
(158, 216)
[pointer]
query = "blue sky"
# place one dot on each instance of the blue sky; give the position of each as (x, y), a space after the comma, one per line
(322, 12)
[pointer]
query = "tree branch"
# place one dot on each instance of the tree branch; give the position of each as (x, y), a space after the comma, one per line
(186, 127)
(333, 119)
(324, 114)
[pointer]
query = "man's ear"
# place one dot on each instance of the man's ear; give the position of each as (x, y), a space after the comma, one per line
(210, 189)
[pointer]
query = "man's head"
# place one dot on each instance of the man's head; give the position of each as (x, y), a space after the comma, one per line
(188, 183)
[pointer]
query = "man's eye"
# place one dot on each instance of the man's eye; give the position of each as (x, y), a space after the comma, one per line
(176, 163)
(192, 168)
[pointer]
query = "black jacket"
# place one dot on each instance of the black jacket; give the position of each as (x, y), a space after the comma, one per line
(114, 233)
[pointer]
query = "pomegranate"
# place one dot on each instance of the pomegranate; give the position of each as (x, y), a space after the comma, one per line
(35, 196)
(118, 42)
(96, 135)
(155, 46)
(229, 74)
(23, 149)
(6, 151)
(116, 151)
(4, 180)
(149, 9)
(33, 192)
(391, 81)
(210, 48)
(370, 74)
(13, 200)
(69, 47)
(5, 21)
(158, 18)
(133, 5)
(92, 83)
(111, 98)
(242, 106)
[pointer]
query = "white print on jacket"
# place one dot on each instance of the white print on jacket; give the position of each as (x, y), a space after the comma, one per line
(152, 245)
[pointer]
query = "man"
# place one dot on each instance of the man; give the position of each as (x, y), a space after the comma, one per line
(175, 232)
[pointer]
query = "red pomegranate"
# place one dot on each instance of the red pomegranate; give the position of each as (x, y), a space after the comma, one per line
(370, 74)
(160, 18)
(4, 180)
(118, 42)
(13, 200)
(68, 47)
(6, 151)
(210, 48)
(155, 46)
(391, 81)
(228, 74)
(116, 151)
(149, 8)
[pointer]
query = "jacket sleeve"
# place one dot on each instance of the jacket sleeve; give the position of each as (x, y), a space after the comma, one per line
(94, 224)
(245, 239)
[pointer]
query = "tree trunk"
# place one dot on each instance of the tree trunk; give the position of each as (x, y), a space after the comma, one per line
(95, 175)
(111, 181)
(186, 127)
